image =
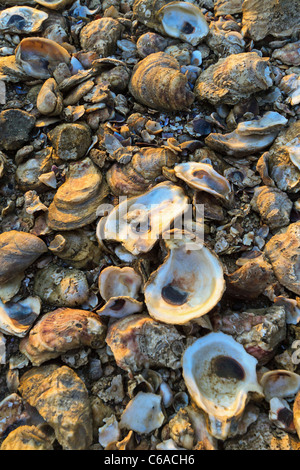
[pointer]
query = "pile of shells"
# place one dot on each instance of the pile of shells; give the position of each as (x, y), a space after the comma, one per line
(149, 225)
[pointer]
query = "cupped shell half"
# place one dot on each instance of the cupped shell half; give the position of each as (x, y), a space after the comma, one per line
(219, 373)
(55, 4)
(138, 222)
(187, 285)
(280, 384)
(21, 20)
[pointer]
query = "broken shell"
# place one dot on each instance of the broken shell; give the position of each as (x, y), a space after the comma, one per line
(62, 399)
(138, 222)
(291, 307)
(219, 374)
(276, 17)
(76, 201)
(110, 432)
(117, 282)
(18, 250)
(280, 384)
(139, 342)
(169, 444)
(288, 54)
(143, 413)
(203, 177)
(296, 413)
(283, 251)
(273, 205)
(140, 173)
(157, 82)
(61, 286)
(60, 331)
(181, 430)
(21, 20)
(281, 414)
(17, 318)
(187, 285)
(234, 78)
(181, 20)
(224, 43)
(38, 57)
(49, 100)
(27, 438)
(55, 4)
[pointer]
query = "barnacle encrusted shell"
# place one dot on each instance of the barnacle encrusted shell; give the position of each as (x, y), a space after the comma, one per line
(182, 20)
(139, 342)
(157, 82)
(101, 35)
(234, 78)
(203, 177)
(187, 285)
(143, 413)
(283, 251)
(273, 205)
(219, 374)
(138, 222)
(27, 438)
(60, 331)
(136, 176)
(55, 4)
(18, 250)
(116, 282)
(76, 201)
(77, 248)
(22, 20)
(278, 18)
(228, 7)
(39, 57)
(62, 399)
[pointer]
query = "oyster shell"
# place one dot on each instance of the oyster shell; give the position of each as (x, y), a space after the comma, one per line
(76, 247)
(27, 438)
(39, 57)
(187, 285)
(139, 342)
(182, 20)
(18, 250)
(234, 78)
(280, 384)
(16, 318)
(143, 413)
(283, 251)
(55, 4)
(281, 414)
(62, 399)
(273, 205)
(22, 20)
(60, 331)
(101, 36)
(203, 177)
(228, 7)
(76, 201)
(116, 282)
(138, 222)
(49, 100)
(120, 307)
(157, 82)
(219, 374)
(239, 145)
(268, 123)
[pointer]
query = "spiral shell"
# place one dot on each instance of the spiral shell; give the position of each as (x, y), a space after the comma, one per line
(158, 83)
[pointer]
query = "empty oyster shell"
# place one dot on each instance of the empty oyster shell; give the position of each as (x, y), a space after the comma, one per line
(21, 20)
(17, 318)
(219, 374)
(76, 201)
(55, 4)
(280, 384)
(60, 331)
(120, 307)
(138, 222)
(181, 20)
(39, 57)
(143, 413)
(268, 123)
(157, 82)
(203, 177)
(187, 285)
(62, 399)
(139, 342)
(239, 145)
(116, 282)
(234, 78)
(281, 414)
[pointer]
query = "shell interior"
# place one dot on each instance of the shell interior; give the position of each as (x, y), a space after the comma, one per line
(280, 384)
(183, 20)
(22, 20)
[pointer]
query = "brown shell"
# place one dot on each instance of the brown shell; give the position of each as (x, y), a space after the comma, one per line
(60, 331)
(62, 399)
(18, 250)
(157, 82)
(27, 438)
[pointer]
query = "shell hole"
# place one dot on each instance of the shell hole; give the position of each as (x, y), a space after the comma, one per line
(173, 296)
(228, 368)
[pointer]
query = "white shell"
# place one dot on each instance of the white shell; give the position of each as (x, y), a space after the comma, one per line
(17, 318)
(269, 122)
(186, 286)
(110, 432)
(21, 20)
(203, 177)
(293, 149)
(183, 20)
(143, 413)
(153, 212)
(120, 307)
(280, 384)
(119, 282)
(219, 373)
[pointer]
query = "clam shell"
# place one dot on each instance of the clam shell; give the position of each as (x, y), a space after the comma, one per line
(157, 82)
